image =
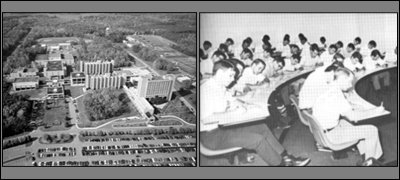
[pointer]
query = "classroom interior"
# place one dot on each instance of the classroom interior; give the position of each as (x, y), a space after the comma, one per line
(298, 139)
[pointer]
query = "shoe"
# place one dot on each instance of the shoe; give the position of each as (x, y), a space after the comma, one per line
(370, 162)
(293, 161)
(247, 159)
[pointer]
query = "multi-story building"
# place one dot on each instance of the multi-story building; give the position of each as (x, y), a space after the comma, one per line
(23, 72)
(25, 83)
(133, 73)
(54, 70)
(56, 92)
(151, 87)
(78, 79)
(104, 81)
(92, 68)
(144, 107)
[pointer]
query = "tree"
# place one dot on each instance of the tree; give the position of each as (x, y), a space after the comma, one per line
(47, 138)
(186, 84)
(136, 48)
(170, 68)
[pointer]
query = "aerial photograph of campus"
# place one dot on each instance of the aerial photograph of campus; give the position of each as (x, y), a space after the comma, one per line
(99, 89)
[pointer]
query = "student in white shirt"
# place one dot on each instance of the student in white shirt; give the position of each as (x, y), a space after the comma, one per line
(311, 60)
(251, 44)
(285, 47)
(207, 48)
(218, 104)
(299, 44)
(239, 51)
(339, 46)
(354, 62)
(350, 50)
(327, 56)
(376, 61)
(252, 77)
(322, 45)
(357, 44)
(305, 47)
(392, 57)
(294, 65)
(247, 57)
(371, 47)
(267, 56)
(316, 84)
(206, 66)
(229, 42)
(333, 111)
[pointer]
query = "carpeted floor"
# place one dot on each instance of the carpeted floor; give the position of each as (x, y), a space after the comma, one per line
(299, 141)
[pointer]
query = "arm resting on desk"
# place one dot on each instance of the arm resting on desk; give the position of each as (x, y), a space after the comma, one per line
(357, 115)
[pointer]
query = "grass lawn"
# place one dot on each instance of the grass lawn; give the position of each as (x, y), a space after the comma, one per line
(76, 91)
(53, 114)
(84, 120)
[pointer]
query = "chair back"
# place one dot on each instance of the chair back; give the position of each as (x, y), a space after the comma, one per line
(207, 152)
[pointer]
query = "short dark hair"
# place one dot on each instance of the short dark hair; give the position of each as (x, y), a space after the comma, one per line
(265, 39)
(201, 54)
(249, 40)
(372, 43)
(294, 46)
(268, 44)
(337, 56)
(280, 60)
(224, 65)
(322, 39)
(301, 35)
(230, 40)
(286, 37)
(208, 43)
(219, 53)
(340, 43)
(235, 62)
(358, 39)
(224, 47)
(351, 45)
(258, 61)
(358, 56)
(334, 66)
(376, 53)
(303, 38)
(333, 47)
(314, 47)
(297, 56)
(248, 51)
(269, 50)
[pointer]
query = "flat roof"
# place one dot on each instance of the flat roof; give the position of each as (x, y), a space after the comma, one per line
(78, 74)
(26, 79)
(54, 90)
(42, 57)
(68, 56)
(54, 66)
(54, 54)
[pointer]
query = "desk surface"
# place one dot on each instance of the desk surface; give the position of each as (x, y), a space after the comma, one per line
(261, 96)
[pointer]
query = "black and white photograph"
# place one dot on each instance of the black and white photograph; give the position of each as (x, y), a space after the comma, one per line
(99, 89)
(298, 89)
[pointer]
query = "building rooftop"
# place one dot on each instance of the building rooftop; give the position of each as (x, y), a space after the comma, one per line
(54, 54)
(78, 74)
(26, 79)
(54, 66)
(42, 57)
(67, 56)
(54, 90)
(131, 71)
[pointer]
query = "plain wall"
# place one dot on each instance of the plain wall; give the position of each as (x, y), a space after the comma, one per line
(382, 28)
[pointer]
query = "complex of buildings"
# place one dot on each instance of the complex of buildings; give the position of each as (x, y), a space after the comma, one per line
(59, 52)
(151, 87)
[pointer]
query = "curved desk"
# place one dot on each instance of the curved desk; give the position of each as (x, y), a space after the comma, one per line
(261, 96)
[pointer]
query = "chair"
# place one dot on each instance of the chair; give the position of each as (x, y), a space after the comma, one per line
(321, 137)
(208, 152)
(295, 102)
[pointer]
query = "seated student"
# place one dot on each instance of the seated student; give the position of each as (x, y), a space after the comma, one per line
(327, 56)
(299, 44)
(350, 49)
(207, 48)
(392, 57)
(206, 66)
(252, 77)
(224, 49)
(322, 45)
(311, 60)
(247, 57)
(245, 45)
(267, 56)
(294, 65)
(320, 78)
(239, 67)
(339, 46)
(305, 47)
(371, 47)
(251, 44)
(333, 111)
(357, 44)
(201, 55)
(374, 62)
(219, 104)
(354, 62)
(294, 49)
(229, 42)
(285, 47)
(338, 57)
(274, 68)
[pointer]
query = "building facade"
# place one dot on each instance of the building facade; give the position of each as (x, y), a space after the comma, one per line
(23, 72)
(92, 68)
(150, 88)
(104, 81)
(78, 79)
(25, 83)
(144, 107)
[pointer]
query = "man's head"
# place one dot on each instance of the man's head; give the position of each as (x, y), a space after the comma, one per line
(295, 59)
(294, 49)
(314, 50)
(286, 40)
(375, 55)
(338, 57)
(330, 70)
(267, 45)
(356, 57)
(323, 40)
(245, 44)
(265, 38)
(303, 40)
(217, 56)
(239, 67)
(229, 42)
(357, 41)
(223, 48)
(258, 66)
(344, 78)
(332, 49)
(372, 44)
(224, 72)
(267, 53)
(201, 54)
(249, 40)
(301, 36)
(339, 44)
(278, 64)
(207, 45)
(246, 54)
(350, 47)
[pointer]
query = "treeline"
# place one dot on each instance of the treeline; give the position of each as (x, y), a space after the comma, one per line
(15, 117)
(22, 57)
(104, 104)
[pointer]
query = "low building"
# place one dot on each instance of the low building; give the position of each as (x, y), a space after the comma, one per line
(55, 92)
(42, 59)
(78, 79)
(144, 107)
(54, 69)
(23, 72)
(25, 83)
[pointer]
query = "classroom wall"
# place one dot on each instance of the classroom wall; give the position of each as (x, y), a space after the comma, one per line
(382, 28)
